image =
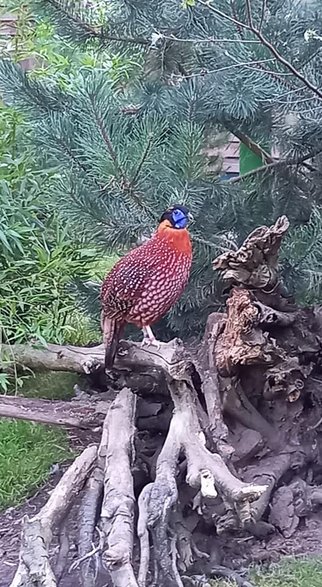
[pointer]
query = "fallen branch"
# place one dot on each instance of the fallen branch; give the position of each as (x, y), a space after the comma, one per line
(117, 514)
(88, 360)
(53, 357)
(55, 412)
(34, 565)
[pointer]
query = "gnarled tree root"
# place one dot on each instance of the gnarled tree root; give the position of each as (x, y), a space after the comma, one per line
(206, 472)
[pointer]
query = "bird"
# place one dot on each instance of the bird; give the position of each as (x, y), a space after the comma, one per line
(145, 283)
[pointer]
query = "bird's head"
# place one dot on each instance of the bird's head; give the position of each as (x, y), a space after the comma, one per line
(178, 216)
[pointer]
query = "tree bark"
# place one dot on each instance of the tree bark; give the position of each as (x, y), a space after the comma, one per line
(79, 414)
(34, 564)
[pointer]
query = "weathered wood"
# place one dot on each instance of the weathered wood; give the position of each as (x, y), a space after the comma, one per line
(34, 564)
(53, 357)
(255, 263)
(77, 414)
(88, 360)
(117, 514)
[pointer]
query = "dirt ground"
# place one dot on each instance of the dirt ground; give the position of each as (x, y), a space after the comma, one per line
(236, 552)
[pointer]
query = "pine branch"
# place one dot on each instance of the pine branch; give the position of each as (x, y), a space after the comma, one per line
(80, 23)
(143, 159)
(93, 32)
(237, 22)
(225, 68)
(274, 165)
(107, 140)
(252, 146)
(233, 12)
(264, 42)
(286, 63)
(249, 14)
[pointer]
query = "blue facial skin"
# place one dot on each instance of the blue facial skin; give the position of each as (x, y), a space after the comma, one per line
(180, 220)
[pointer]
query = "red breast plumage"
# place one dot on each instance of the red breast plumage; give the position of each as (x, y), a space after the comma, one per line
(145, 283)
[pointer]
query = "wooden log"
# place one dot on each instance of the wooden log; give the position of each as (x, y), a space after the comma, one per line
(77, 414)
(117, 514)
(34, 565)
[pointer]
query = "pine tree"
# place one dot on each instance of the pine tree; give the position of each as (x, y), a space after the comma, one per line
(127, 150)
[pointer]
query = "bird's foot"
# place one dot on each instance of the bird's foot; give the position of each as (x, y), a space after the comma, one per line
(149, 338)
(148, 341)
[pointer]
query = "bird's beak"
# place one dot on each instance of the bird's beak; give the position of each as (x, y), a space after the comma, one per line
(190, 218)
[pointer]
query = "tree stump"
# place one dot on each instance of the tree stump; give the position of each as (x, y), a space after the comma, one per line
(198, 441)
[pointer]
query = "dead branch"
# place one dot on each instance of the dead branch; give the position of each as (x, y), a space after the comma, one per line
(80, 414)
(87, 360)
(237, 405)
(205, 362)
(53, 357)
(34, 565)
(117, 514)
(87, 514)
(268, 472)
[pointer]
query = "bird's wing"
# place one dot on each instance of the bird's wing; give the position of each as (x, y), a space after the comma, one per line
(123, 286)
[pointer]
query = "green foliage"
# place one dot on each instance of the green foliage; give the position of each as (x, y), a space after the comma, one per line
(37, 257)
(128, 145)
(27, 452)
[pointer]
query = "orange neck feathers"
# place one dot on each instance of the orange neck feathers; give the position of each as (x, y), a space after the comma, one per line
(178, 239)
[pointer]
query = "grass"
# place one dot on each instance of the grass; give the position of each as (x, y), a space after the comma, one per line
(50, 385)
(27, 452)
(302, 572)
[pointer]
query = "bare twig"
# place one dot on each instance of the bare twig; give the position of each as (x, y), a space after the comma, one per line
(261, 22)
(252, 146)
(286, 63)
(142, 161)
(274, 165)
(225, 68)
(223, 15)
(249, 13)
(210, 40)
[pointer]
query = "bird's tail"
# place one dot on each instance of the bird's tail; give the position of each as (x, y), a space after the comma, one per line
(112, 330)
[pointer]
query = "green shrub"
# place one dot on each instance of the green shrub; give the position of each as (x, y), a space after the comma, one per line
(38, 257)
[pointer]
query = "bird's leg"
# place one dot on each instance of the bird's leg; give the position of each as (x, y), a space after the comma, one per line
(149, 338)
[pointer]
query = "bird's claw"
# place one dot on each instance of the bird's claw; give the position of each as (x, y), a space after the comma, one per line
(151, 342)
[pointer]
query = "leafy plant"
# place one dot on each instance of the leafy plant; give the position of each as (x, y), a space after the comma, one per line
(38, 258)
